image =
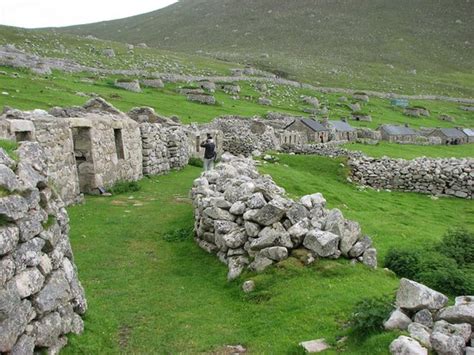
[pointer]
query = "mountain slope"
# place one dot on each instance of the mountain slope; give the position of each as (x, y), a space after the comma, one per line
(372, 44)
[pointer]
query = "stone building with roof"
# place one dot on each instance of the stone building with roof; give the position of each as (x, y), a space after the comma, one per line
(453, 136)
(342, 131)
(398, 134)
(312, 131)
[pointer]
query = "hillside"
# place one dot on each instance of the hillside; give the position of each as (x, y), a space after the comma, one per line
(421, 46)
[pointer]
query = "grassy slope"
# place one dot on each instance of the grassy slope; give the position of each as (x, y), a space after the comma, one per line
(31, 91)
(147, 294)
(349, 43)
(413, 151)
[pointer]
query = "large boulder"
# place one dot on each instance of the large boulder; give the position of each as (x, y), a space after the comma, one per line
(460, 313)
(322, 243)
(269, 214)
(420, 333)
(414, 296)
(397, 320)
(404, 345)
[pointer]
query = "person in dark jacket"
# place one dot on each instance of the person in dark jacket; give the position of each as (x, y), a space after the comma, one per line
(210, 152)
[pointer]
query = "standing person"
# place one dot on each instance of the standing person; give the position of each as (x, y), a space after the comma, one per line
(209, 153)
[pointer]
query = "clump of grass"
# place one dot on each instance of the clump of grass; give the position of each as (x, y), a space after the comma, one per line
(49, 222)
(121, 187)
(178, 235)
(9, 147)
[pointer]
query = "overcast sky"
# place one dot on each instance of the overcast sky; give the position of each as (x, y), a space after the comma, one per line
(53, 13)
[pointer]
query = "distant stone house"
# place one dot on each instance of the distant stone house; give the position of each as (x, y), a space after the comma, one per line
(469, 132)
(398, 134)
(452, 136)
(312, 130)
(342, 131)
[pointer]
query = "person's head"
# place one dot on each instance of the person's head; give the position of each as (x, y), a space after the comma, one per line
(209, 136)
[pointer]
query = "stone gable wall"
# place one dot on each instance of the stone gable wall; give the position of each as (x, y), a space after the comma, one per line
(41, 297)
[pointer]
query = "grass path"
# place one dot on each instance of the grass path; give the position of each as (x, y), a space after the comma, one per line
(150, 295)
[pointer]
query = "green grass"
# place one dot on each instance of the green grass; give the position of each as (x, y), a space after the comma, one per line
(9, 147)
(406, 151)
(152, 290)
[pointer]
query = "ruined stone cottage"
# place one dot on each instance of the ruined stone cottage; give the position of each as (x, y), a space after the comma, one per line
(311, 131)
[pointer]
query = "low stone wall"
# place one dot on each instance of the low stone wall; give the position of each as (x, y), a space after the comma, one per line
(248, 221)
(450, 177)
(41, 298)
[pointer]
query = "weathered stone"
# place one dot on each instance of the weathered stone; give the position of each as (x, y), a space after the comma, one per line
(462, 313)
(236, 265)
(275, 253)
(445, 344)
(219, 214)
(269, 214)
(271, 236)
(48, 329)
(248, 286)
(31, 226)
(28, 253)
(256, 201)
(252, 229)
(463, 330)
(420, 333)
(25, 345)
(8, 179)
(13, 207)
(235, 239)
(296, 213)
(7, 269)
(397, 320)
(415, 296)
(314, 346)
(9, 236)
(322, 243)
(369, 258)
(424, 317)
(335, 222)
(55, 291)
(360, 247)
(12, 327)
(238, 208)
(260, 263)
(298, 232)
(29, 282)
(404, 345)
(350, 235)
(224, 227)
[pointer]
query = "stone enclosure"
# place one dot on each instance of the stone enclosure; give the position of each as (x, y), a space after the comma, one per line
(41, 297)
(249, 222)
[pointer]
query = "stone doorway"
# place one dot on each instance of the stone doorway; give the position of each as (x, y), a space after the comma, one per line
(84, 161)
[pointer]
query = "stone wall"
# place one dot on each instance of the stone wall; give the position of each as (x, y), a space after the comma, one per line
(451, 177)
(41, 298)
(249, 222)
(155, 150)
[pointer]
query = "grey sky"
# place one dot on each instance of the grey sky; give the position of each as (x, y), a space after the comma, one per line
(53, 13)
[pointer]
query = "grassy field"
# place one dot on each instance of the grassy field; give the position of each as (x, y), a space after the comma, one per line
(31, 91)
(353, 44)
(148, 293)
(408, 151)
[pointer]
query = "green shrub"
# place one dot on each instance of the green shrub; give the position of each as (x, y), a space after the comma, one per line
(121, 187)
(405, 263)
(369, 314)
(458, 244)
(197, 162)
(443, 274)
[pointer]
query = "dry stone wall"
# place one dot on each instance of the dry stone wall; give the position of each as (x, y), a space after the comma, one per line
(451, 177)
(41, 297)
(249, 222)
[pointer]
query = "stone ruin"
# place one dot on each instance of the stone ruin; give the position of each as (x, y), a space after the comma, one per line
(432, 324)
(249, 222)
(41, 297)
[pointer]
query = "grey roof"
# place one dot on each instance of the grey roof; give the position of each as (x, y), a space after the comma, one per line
(311, 124)
(341, 126)
(394, 130)
(452, 132)
(468, 132)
